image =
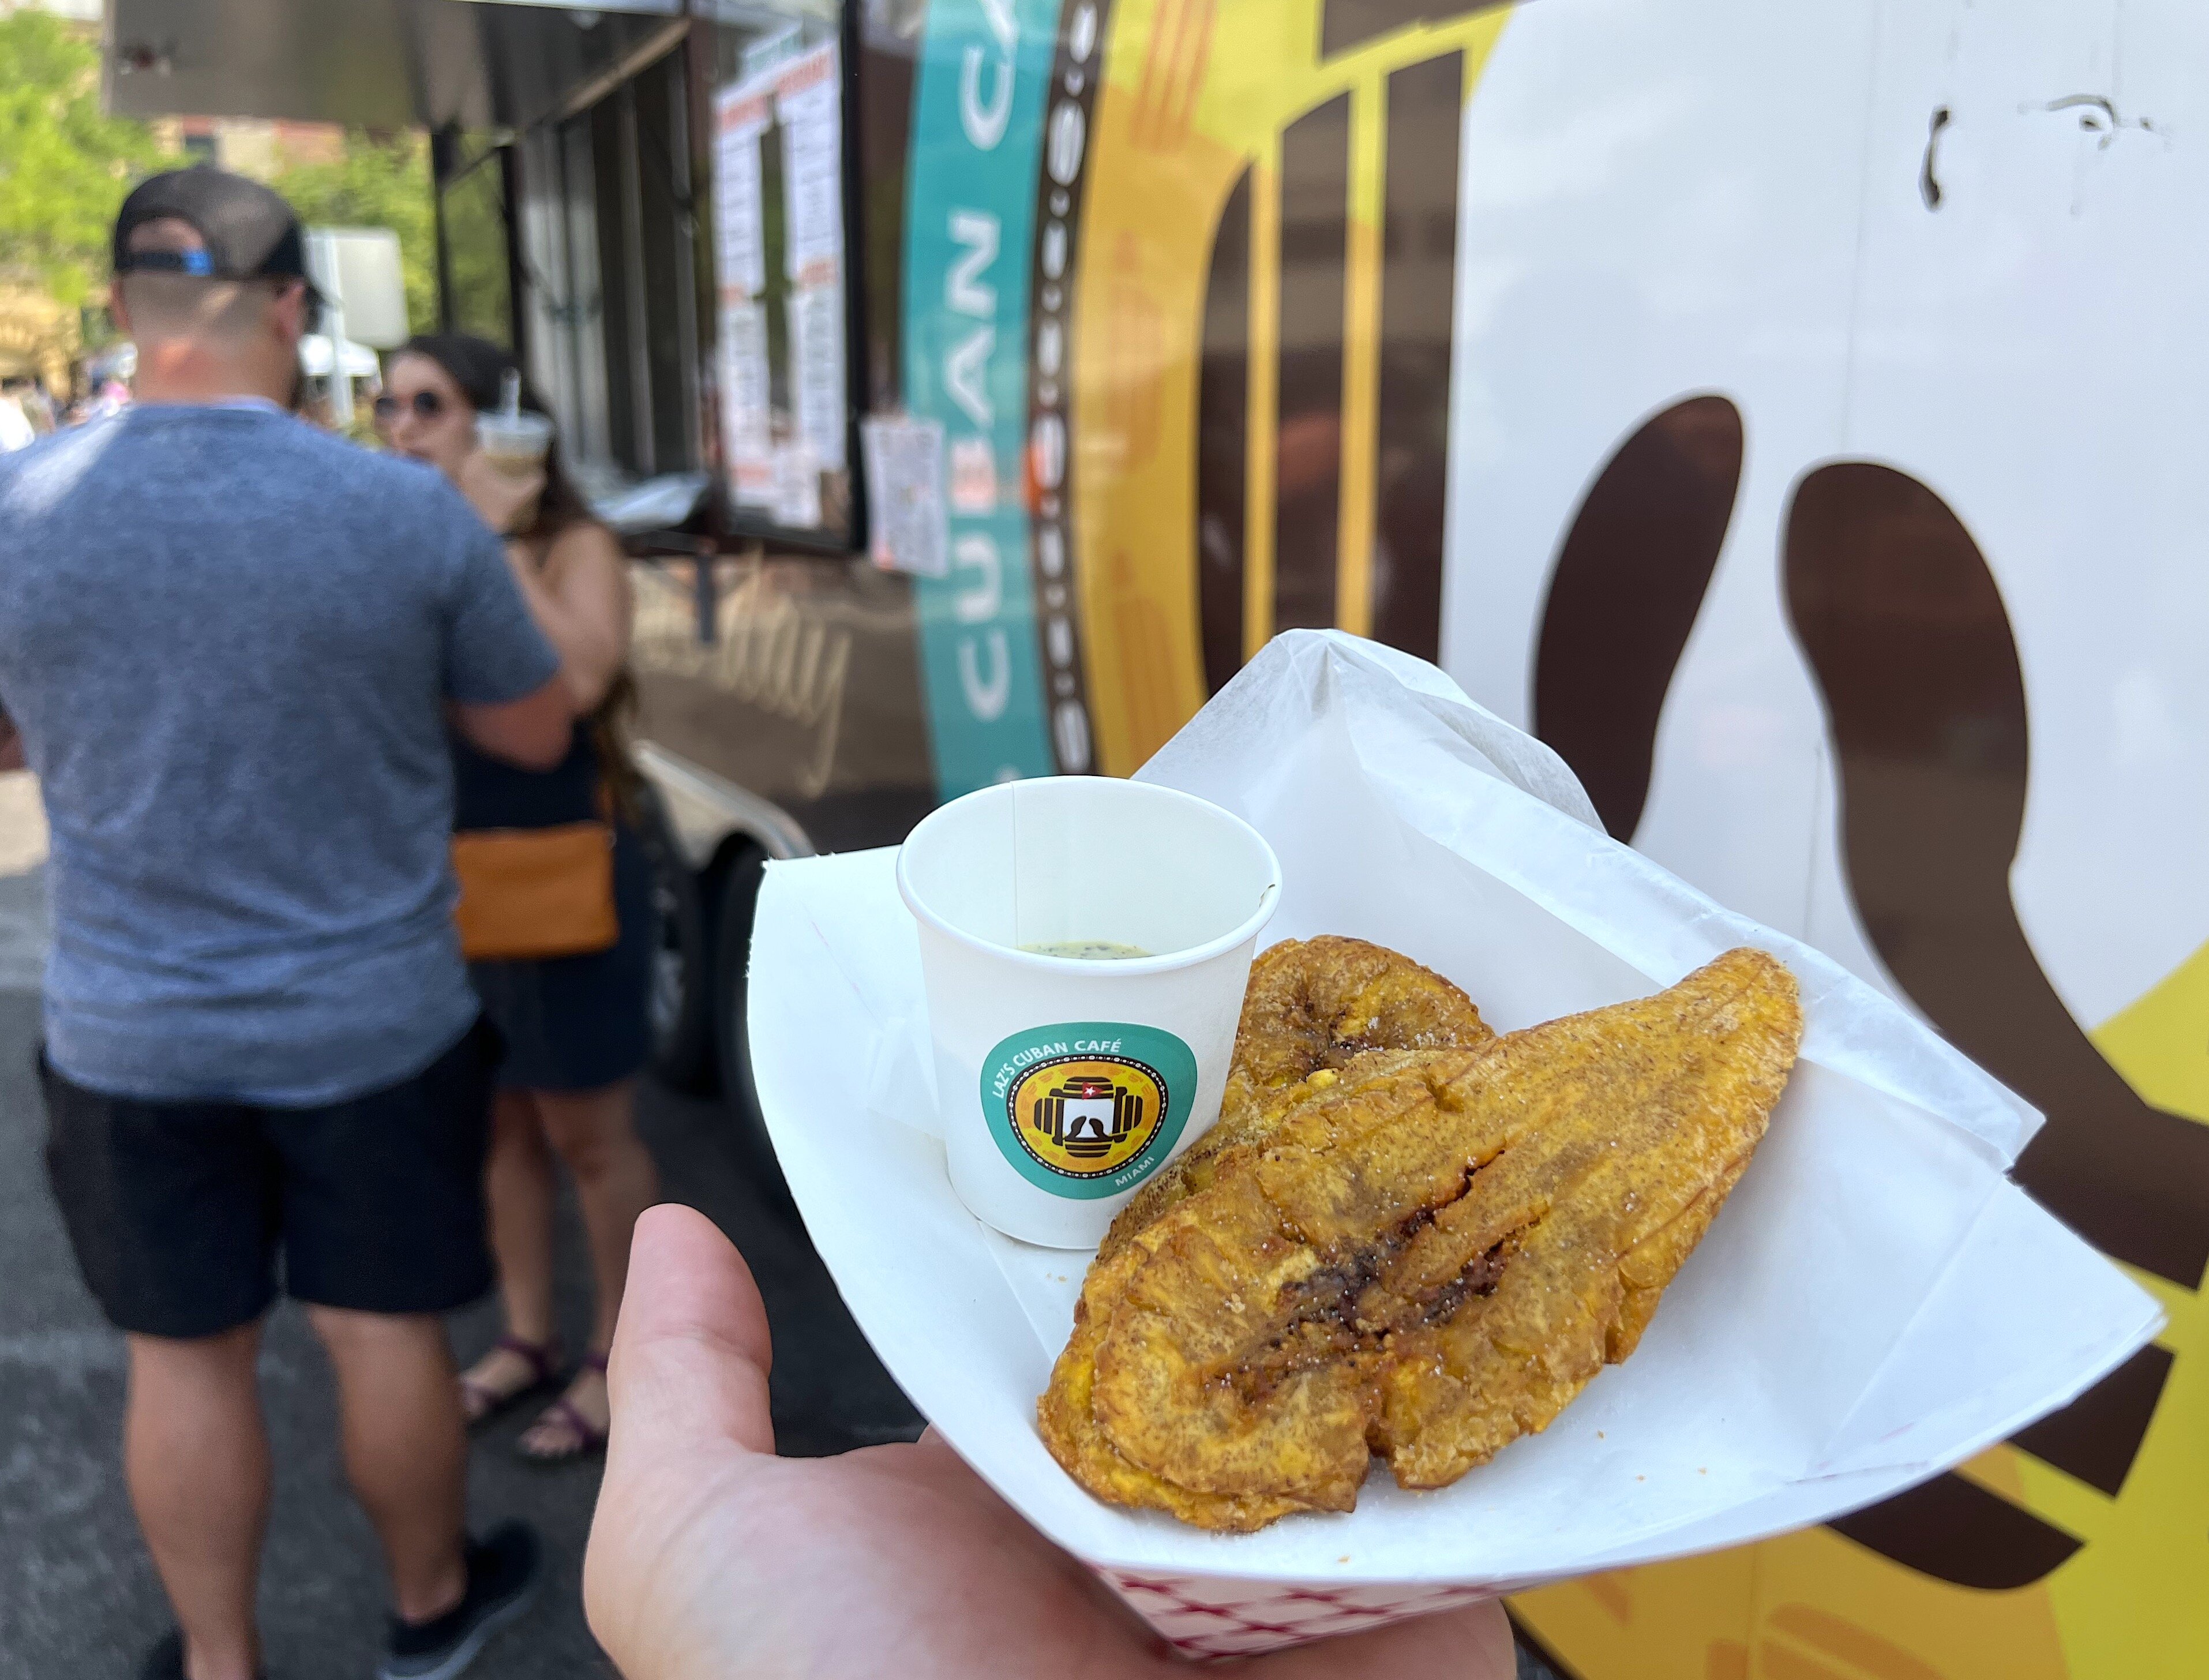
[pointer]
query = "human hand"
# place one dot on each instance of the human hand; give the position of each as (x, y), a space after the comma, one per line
(712, 1559)
(502, 501)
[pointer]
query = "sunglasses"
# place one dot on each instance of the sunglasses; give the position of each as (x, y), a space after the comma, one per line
(426, 405)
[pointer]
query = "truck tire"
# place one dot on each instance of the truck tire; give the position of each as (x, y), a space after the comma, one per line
(682, 1047)
(732, 958)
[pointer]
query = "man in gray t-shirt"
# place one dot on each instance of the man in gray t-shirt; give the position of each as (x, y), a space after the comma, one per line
(231, 646)
(226, 638)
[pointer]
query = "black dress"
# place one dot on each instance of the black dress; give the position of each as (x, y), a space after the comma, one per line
(570, 1023)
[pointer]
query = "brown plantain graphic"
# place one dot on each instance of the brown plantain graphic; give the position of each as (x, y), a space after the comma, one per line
(1905, 631)
(1629, 581)
(1903, 626)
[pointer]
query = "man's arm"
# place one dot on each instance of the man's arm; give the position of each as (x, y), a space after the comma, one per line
(532, 732)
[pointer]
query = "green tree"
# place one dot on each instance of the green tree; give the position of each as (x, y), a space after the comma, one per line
(380, 182)
(64, 166)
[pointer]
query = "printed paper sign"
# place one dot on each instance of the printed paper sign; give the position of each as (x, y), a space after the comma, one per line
(905, 485)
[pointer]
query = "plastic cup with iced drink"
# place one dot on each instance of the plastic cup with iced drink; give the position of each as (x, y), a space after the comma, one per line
(1084, 946)
(516, 445)
(515, 442)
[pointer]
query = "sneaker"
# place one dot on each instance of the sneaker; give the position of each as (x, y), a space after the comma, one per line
(502, 1576)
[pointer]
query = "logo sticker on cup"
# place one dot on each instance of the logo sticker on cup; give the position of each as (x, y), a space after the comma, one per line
(1088, 1109)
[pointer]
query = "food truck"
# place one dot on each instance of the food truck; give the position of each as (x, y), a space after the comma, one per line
(1791, 414)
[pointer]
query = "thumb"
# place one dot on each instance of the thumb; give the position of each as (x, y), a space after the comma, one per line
(687, 1382)
(691, 1351)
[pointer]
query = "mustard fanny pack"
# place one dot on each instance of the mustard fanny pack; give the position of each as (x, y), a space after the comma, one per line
(533, 893)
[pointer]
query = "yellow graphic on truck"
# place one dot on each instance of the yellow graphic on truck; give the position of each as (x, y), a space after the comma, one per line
(1268, 326)
(1251, 197)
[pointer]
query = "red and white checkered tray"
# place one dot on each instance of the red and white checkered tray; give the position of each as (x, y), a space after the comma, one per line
(1204, 1617)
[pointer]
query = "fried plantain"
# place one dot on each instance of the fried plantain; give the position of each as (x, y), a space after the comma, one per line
(1635, 1123)
(1068, 1414)
(1233, 1363)
(1427, 1259)
(1066, 1419)
(1315, 1010)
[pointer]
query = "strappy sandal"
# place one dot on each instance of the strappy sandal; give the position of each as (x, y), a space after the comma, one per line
(480, 1402)
(584, 1437)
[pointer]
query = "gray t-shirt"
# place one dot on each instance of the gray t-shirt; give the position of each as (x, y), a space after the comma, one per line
(227, 639)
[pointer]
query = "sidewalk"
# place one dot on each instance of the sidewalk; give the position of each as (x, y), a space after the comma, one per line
(77, 1596)
(23, 924)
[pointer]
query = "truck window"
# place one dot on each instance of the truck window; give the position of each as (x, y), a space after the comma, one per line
(478, 272)
(608, 304)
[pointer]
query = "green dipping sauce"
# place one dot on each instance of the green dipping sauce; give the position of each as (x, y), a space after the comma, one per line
(1086, 950)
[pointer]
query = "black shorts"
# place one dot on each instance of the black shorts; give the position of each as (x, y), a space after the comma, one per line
(178, 1211)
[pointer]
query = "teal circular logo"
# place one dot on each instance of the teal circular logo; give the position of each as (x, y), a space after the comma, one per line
(1088, 1109)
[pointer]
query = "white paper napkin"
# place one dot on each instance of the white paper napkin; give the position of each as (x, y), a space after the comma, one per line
(1875, 1304)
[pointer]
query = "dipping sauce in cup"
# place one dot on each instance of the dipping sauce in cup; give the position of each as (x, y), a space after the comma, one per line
(1085, 943)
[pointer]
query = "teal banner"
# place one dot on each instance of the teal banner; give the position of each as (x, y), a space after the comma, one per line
(976, 134)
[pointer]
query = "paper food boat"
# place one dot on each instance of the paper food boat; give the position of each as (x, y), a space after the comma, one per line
(1875, 1304)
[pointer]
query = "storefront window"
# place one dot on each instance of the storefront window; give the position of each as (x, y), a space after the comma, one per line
(609, 325)
(634, 281)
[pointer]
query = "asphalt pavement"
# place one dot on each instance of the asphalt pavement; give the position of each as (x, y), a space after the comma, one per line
(78, 1597)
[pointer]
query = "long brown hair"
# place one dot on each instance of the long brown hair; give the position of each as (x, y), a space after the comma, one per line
(479, 368)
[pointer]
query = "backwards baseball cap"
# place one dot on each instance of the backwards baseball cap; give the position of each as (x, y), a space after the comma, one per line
(246, 231)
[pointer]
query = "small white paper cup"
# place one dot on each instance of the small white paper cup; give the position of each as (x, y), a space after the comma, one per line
(1063, 1083)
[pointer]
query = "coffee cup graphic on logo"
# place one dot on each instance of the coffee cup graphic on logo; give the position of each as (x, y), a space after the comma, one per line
(1085, 943)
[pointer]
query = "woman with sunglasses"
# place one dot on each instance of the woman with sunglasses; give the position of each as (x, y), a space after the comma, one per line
(576, 1027)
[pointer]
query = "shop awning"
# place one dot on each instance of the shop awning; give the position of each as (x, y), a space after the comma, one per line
(377, 63)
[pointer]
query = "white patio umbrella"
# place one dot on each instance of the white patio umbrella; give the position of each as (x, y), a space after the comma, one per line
(359, 361)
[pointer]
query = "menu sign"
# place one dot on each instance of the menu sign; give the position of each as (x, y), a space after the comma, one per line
(779, 246)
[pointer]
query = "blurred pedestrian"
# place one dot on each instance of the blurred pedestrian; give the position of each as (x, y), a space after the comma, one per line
(259, 1037)
(572, 994)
